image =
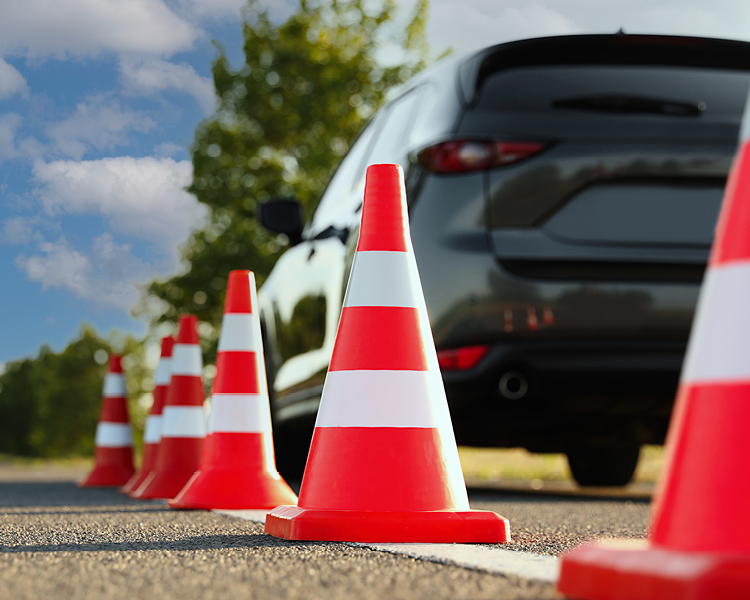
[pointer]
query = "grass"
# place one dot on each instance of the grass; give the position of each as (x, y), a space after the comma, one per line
(9, 461)
(479, 464)
(492, 464)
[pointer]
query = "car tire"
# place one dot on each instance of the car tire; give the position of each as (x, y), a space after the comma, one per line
(603, 467)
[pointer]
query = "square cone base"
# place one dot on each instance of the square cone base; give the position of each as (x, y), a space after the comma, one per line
(626, 570)
(435, 526)
(233, 490)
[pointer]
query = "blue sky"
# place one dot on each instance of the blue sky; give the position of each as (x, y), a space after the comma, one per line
(99, 100)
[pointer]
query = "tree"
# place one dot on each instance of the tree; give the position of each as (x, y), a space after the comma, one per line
(285, 120)
(50, 405)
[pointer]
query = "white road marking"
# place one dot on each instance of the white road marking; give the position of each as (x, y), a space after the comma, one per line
(525, 565)
(509, 563)
(256, 516)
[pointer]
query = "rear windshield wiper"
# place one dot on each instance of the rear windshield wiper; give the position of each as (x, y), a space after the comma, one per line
(617, 103)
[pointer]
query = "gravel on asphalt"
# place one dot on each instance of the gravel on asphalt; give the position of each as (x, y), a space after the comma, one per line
(547, 524)
(59, 541)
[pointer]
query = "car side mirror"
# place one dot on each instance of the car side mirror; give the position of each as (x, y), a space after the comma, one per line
(282, 215)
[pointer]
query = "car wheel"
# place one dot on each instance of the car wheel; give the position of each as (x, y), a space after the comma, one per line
(603, 466)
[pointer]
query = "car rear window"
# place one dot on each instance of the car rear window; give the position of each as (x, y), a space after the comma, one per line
(542, 88)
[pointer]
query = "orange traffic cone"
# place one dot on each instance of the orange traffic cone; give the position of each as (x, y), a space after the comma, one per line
(699, 543)
(113, 463)
(152, 433)
(383, 464)
(183, 422)
(238, 469)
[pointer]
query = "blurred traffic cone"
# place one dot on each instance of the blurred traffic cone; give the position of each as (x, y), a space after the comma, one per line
(152, 433)
(183, 422)
(699, 543)
(383, 464)
(113, 462)
(238, 470)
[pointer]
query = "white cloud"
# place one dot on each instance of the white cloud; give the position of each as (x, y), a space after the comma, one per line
(9, 124)
(98, 123)
(11, 81)
(481, 23)
(279, 10)
(19, 230)
(106, 276)
(486, 22)
(151, 76)
(213, 8)
(42, 28)
(166, 149)
(140, 197)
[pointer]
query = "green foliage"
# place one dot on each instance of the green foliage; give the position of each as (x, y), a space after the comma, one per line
(285, 120)
(49, 405)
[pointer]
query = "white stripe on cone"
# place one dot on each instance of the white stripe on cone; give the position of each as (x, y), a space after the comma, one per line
(183, 421)
(163, 371)
(237, 333)
(384, 399)
(152, 432)
(113, 435)
(719, 349)
(239, 413)
(114, 385)
(187, 360)
(371, 268)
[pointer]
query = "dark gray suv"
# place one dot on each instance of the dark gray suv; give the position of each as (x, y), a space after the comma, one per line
(563, 194)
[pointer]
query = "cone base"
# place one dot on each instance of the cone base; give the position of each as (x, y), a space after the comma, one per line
(233, 490)
(436, 526)
(148, 465)
(135, 481)
(107, 476)
(623, 570)
(162, 485)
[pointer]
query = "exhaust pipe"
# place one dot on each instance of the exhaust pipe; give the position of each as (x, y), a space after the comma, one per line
(513, 385)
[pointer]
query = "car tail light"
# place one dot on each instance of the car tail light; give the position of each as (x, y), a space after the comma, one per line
(461, 359)
(461, 156)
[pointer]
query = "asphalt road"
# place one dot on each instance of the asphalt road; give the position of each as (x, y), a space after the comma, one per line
(59, 541)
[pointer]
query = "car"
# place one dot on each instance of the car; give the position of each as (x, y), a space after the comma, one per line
(563, 193)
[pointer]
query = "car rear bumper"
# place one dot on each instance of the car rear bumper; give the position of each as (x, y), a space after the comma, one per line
(580, 393)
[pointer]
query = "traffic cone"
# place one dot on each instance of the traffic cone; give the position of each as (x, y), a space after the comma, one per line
(113, 462)
(183, 422)
(383, 465)
(238, 469)
(152, 433)
(699, 541)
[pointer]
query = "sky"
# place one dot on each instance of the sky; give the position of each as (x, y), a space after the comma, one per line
(99, 100)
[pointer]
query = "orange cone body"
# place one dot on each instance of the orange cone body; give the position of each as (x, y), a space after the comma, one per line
(152, 433)
(699, 543)
(113, 462)
(238, 469)
(383, 464)
(183, 422)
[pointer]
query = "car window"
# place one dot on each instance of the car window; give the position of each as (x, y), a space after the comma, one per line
(526, 89)
(336, 202)
(390, 129)
(390, 145)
